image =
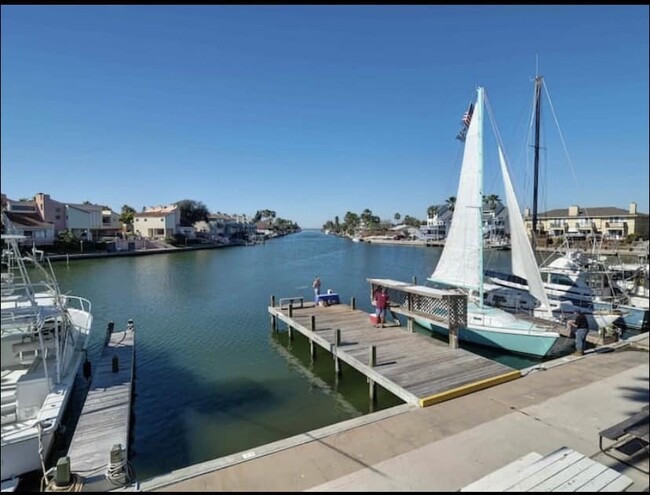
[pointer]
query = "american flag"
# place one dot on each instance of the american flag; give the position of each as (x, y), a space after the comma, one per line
(467, 116)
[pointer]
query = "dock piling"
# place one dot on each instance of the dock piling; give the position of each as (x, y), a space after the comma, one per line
(372, 362)
(312, 345)
(353, 303)
(274, 321)
(337, 343)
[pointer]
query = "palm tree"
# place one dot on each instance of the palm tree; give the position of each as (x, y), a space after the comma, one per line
(492, 200)
(397, 217)
(432, 211)
(451, 202)
(366, 216)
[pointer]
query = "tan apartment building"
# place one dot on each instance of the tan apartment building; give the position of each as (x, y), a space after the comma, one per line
(578, 222)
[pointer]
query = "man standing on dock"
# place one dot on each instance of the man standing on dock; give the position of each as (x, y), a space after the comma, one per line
(381, 300)
(582, 328)
(316, 286)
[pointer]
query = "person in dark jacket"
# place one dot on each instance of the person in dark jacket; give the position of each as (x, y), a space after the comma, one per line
(581, 330)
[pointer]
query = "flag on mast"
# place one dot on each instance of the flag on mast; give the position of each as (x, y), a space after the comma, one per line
(467, 118)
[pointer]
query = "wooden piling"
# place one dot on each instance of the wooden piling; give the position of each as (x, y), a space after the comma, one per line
(274, 320)
(353, 303)
(372, 362)
(312, 345)
(337, 343)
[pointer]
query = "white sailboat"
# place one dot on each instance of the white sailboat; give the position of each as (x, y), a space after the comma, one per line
(570, 286)
(461, 262)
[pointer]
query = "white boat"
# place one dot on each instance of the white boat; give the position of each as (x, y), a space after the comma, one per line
(566, 281)
(461, 262)
(44, 338)
(570, 285)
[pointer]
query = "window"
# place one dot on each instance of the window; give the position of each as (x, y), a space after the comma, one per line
(559, 279)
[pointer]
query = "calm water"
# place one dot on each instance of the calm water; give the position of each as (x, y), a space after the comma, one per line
(211, 378)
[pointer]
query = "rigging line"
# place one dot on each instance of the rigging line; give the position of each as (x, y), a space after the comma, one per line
(557, 124)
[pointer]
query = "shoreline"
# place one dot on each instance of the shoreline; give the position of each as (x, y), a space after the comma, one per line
(142, 252)
(625, 251)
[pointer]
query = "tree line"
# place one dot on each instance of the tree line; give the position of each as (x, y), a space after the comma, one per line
(352, 221)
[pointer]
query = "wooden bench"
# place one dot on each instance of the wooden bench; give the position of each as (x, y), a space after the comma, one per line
(635, 426)
(631, 430)
(563, 470)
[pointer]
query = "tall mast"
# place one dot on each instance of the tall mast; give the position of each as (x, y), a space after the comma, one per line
(538, 111)
(479, 116)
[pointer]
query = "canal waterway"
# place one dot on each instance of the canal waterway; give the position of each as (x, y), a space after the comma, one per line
(211, 377)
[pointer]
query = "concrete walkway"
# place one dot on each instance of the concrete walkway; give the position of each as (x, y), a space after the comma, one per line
(449, 445)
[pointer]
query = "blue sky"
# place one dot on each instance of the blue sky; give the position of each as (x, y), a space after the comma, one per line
(313, 111)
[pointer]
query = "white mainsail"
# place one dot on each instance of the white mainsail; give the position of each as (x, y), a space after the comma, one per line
(460, 263)
(524, 263)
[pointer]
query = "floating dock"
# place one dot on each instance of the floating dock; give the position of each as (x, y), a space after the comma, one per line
(98, 453)
(417, 368)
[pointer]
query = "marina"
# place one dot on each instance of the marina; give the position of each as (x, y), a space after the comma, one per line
(294, 376)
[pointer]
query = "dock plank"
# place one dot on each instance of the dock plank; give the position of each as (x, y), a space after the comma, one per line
(105, 416)
(411, 365)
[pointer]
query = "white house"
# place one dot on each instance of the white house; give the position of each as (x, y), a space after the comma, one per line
(158, 222)
(437, 226)
(84, 221)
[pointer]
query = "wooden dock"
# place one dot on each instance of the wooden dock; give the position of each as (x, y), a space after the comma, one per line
(417, 368)
(101, 437)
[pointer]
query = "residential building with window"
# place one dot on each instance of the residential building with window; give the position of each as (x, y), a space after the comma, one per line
(495, 221)
(158, 222)
(26, 220)
(438, 225)
(582, 223)
(51, 211)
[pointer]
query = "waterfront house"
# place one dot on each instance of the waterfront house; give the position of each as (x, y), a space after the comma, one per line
(84, 221)
(51, 211)
(26, 220)
(158, 222)
(43, 218)
(495, 220)
(221, 226)
(437, 225)
(608, 223)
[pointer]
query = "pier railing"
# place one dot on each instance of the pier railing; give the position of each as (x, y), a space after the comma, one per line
(440, 307)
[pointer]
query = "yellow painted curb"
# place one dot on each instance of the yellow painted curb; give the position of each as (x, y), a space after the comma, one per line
(471, 387)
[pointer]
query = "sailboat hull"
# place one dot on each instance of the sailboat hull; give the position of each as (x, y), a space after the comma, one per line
(513, 342)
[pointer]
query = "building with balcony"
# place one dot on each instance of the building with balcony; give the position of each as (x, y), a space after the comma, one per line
(582, 223)
(437, 225)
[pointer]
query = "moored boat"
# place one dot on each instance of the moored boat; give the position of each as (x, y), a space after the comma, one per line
(44, 339)
(461, 262)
